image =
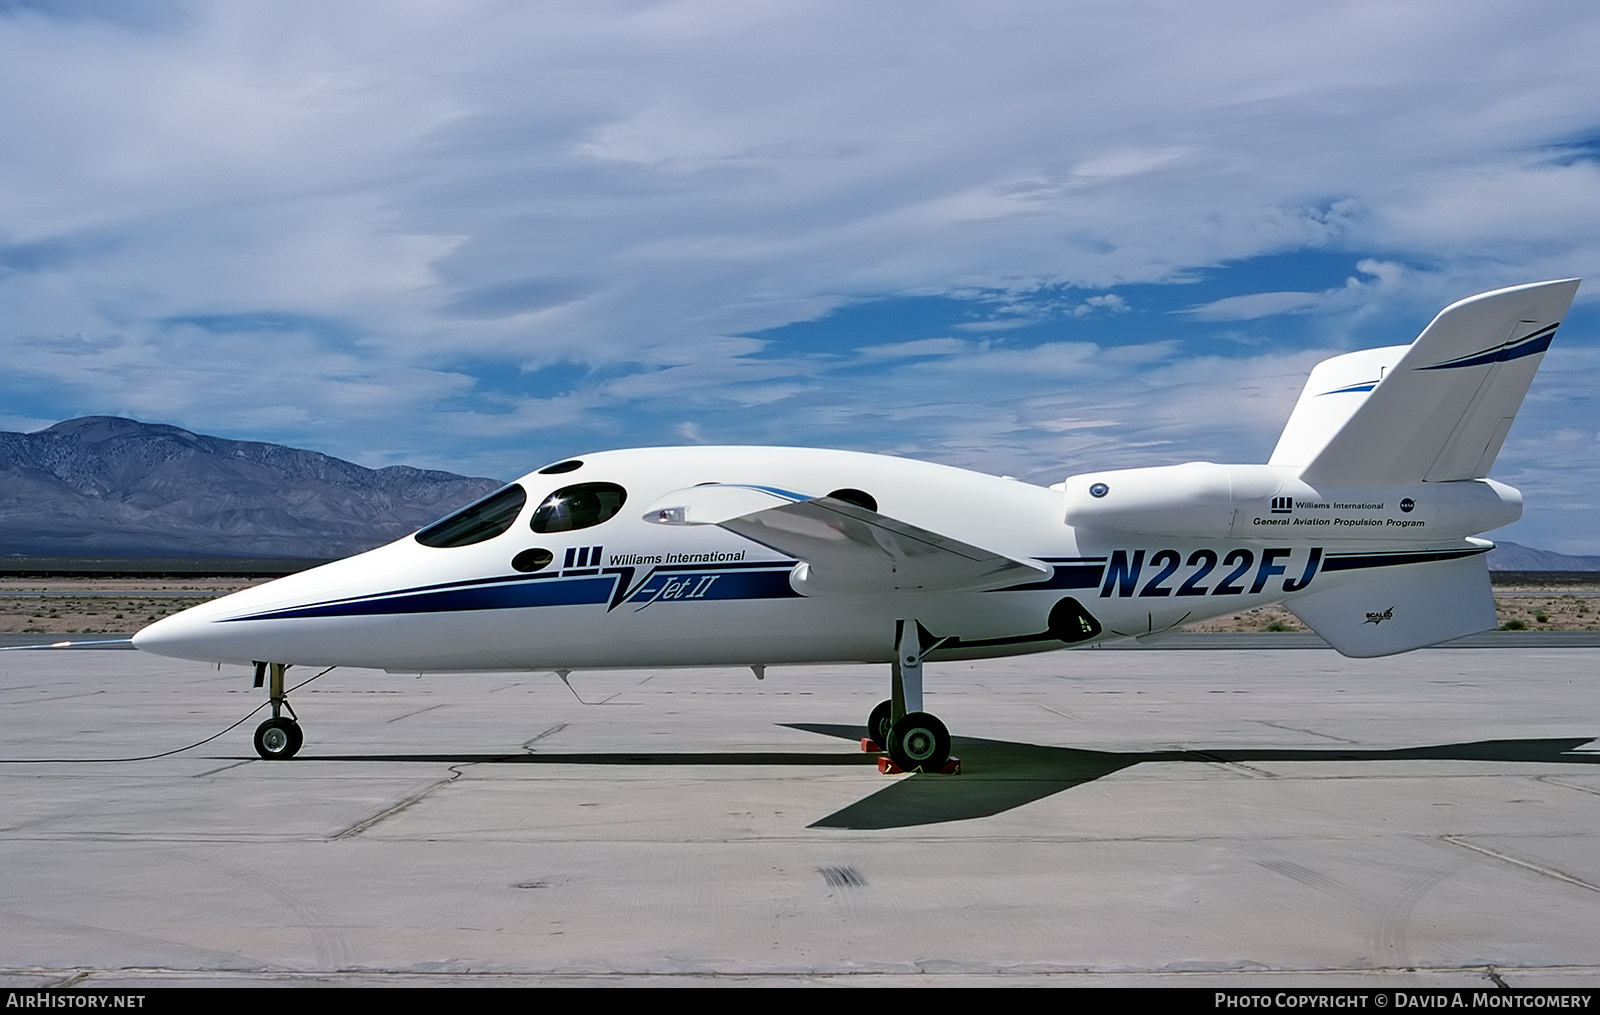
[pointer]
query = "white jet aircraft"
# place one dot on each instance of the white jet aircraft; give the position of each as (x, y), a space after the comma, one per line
(1361, 524)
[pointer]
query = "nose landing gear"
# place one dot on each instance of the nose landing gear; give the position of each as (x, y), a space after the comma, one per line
(279, 737)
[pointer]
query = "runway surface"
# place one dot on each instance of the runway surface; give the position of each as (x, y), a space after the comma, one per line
(1188, 818)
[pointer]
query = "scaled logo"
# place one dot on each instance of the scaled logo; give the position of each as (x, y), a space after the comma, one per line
(1378, 618)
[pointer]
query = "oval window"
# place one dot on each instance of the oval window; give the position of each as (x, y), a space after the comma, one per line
(477, 522)
(578, 507)
(528, 561)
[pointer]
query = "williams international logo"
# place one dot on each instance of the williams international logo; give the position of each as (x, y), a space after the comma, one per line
(1378, 618)
(1282, 505)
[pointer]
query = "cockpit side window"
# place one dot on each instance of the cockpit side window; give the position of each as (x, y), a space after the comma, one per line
(578, 507)
(477, 522)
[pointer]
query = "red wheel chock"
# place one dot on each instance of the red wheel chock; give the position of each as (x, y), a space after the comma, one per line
(887, 767)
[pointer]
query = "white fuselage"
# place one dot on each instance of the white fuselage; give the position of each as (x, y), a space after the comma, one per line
(629, 593)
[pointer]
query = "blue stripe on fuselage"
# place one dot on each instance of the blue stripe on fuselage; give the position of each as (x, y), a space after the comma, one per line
(751, 580)
(1070, 573)
(561, 592)
(580, 587)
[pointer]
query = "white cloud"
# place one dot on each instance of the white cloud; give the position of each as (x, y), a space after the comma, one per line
(1350, 297)
(463, 191)
(920, 347)
(1108, 303)
(1000, 324)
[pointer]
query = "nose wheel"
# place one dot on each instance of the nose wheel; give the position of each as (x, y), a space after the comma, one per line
(279, 737)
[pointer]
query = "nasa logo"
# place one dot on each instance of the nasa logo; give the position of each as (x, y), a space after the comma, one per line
(1407, 504)
(1099, 490)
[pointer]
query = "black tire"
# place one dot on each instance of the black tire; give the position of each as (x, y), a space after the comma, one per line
(278, 738)
(878, 723)
(919, 743)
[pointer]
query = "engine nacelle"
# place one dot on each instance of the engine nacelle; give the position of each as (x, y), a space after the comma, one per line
(1202, 499)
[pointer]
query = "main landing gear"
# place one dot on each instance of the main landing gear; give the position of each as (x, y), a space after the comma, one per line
(915, 741)
(280, 736)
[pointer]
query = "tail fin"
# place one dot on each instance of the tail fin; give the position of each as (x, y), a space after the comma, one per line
(1433, 411)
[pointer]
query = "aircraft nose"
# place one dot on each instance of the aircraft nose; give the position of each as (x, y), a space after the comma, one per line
(180, 636)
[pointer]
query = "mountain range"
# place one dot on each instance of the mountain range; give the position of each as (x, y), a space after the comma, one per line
(103, 486)
(1516, 557)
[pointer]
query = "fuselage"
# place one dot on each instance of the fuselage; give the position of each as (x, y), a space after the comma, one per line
(623, 592)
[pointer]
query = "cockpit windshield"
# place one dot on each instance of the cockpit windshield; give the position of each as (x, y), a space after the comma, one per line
(477, 522)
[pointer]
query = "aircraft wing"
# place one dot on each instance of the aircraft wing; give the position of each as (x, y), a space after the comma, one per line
(844, 548)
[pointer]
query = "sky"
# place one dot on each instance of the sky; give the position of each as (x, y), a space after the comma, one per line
(1034, 239)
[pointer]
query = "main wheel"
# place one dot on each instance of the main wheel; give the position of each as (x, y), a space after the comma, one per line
(919, 743)
(878, 722)
(278, 738)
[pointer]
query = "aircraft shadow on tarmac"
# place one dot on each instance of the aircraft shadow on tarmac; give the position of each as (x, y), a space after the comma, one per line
(998, 775)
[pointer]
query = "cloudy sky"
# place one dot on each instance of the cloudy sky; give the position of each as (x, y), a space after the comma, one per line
(1030, 238)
